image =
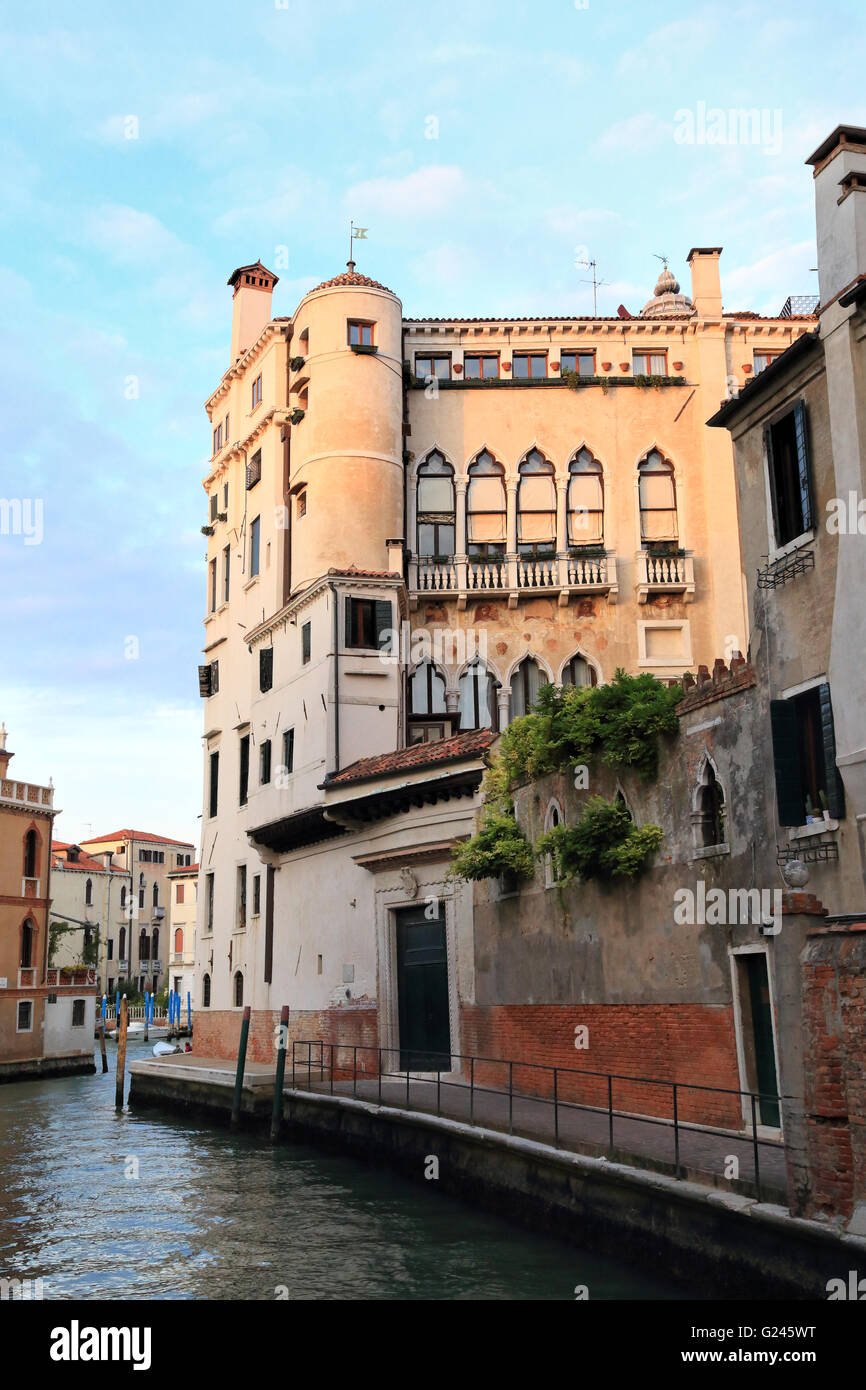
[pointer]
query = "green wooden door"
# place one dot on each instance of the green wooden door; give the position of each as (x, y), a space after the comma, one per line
(422, 991)
(762, 1029)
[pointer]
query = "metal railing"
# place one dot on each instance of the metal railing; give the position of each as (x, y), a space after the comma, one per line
(426, 1066)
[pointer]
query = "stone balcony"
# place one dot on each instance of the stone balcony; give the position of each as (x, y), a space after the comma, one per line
(513, 577)
(664, 574)
(73, 977)
(26, 794)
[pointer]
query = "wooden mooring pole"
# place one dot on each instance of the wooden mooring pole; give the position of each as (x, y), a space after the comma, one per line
(102, 1045)
(121, 1053)
(239, 1075)
(282, 1040)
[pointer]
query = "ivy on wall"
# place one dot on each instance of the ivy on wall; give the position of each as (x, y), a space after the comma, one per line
(605, 843)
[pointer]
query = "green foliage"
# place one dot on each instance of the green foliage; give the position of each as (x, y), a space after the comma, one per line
(604, 844)
(498, 847)
(618, 723)
(89, 954)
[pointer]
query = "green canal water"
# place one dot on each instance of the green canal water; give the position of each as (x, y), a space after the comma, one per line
(101, 1205)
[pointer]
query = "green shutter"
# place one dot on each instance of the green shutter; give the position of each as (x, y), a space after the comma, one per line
(786, 762)
(832, 779)
(771, 473)
(804, 470)
(383, 620)
(347, 640)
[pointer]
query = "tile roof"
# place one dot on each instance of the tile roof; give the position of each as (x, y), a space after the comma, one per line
(137, 835)
(353, 573)
(353, 280)
(766, 378)
(180, 873)
(84, 863)
(417, 755)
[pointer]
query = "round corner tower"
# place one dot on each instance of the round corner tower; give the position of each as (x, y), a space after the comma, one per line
(346, 453)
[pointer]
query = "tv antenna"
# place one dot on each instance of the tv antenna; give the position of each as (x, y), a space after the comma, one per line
(595, 282)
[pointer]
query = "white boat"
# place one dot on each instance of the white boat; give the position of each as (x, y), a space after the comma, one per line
(164, 1049)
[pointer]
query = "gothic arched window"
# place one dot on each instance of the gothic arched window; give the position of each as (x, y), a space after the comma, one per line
(658, 499)
(435, 507)
(477, 698)
(578, 671)
(485, 507)
(585, 500)
(536, 506)
(526, 683)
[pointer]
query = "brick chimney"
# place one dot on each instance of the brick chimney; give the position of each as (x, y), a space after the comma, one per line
(839, 171)
(251, 307)
(706, 282)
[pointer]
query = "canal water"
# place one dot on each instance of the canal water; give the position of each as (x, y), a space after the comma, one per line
(106, 1206)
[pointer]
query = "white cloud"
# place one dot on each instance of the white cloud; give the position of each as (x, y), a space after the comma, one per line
(641, 132)
(130, 237)
(424, 191)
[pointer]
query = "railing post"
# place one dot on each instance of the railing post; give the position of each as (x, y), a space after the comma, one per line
(332, 1068)
(472, 1090)
(510, 1097)
(355, 1070)
(755, 1149)
(379, 1055)
(555, 1108)
(676, 1133)
(610, 1110)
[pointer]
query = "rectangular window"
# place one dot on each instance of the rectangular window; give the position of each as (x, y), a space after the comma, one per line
(367, 622)
(255, 528)
(804, 757)
(438, 366)
(25, 1016)
(226, 571)
(244, 772)
(109, 954)
(78, 1006)
(306, 643)
(254, 470)
(360, 333)
(141, 899)
(226, 492)
(480, 365)
(214, 505)
(242, 895)
(212, 581)
(209, 902)
(787, 448)
(302, 504)
(760, 360)
(217, 439)
(178, 895)
(213, 797)
(649, 363)
(226, 437)
(265, 762)
(256, 393)
(289, 750)
(428, 733)
(209, 679)
(581, 362)
(266, 668)
(257, 894)
(529, 364)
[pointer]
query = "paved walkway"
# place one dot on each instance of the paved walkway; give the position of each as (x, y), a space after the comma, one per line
(703, 1155)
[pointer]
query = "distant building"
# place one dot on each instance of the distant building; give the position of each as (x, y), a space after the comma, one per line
(136, 939)
(84, 893)
(46, 1014)
(183, 899)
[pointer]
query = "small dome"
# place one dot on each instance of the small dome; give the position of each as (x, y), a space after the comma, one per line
(353, 280)
(667, 300)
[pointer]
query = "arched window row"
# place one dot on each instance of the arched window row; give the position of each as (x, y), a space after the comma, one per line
(480, 701)
(540, 529)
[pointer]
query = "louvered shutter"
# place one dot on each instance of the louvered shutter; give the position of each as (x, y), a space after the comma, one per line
(804, 468)
(383, 621)
(786, 762)
(832, 777)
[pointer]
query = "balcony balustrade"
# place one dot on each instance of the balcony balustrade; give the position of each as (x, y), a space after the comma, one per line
(665, 574)
(513, 576)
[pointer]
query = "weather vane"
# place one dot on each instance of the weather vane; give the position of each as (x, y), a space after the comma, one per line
(355, 234)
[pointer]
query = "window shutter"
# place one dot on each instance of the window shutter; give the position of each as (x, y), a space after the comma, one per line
(786, 762)
(804, 469)
(771, 473)
(204, 681)
(254, 469)
(266, 668)
(347, 640)
(214, 677)
(383, 620)
(832, 777)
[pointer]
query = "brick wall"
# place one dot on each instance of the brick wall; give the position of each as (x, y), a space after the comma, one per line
(834, 1046)
(217, 1034)
(677, 1042)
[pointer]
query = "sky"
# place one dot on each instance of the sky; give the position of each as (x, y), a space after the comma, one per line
(149, 150)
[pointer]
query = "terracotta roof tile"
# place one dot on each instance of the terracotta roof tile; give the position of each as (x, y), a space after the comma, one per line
(352, 573)
(352, 279)
(182, 873)
(456, 749)
(137, 835)
(83, 863)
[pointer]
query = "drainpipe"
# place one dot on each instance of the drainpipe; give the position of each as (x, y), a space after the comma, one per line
(336, 678)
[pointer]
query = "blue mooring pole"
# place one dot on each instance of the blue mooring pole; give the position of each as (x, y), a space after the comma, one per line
(239, 1075)
(146, 1002)
(188, 1012)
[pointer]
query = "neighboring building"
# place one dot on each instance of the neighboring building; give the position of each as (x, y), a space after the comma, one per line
(525, 500)
(799, 433)
(46, 1015)
(183, 901)
(83, 894)
(137, 944)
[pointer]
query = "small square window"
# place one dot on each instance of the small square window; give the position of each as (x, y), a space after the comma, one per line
(360, 333)
(480, 366)
(78, 1006)
(529, 365)
(25, 1016)
(302, 503)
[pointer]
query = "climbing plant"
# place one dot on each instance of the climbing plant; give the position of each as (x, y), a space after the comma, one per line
(605, 843)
